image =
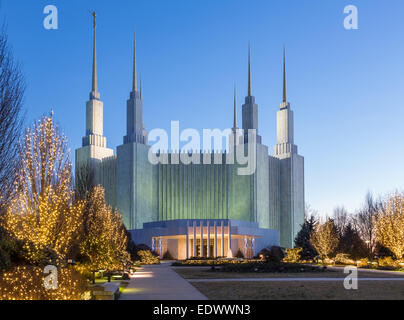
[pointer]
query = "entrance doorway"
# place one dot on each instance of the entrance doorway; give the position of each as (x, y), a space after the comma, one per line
(204, 247)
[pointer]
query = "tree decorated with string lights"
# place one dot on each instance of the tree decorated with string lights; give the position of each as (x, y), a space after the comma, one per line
(42, 212)
(389, 224)
(27, 283)
(325, 238)
(105, 240)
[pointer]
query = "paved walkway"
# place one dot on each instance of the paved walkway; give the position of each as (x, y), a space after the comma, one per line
(291, 279)
(159, 282)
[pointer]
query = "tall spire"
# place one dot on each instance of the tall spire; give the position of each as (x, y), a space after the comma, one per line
(250, 108)
(135, 131)
(140, 86)
(284, 76)
(134, 84)
(94, 89)
(249, 71)
(235, 109)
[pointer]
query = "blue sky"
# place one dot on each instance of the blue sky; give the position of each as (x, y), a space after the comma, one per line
(345, 87)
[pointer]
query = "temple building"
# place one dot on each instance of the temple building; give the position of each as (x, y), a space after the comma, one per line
(198, 208)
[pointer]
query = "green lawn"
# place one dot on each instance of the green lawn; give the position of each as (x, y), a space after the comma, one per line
(377, 290)
(296, 290)
(199, 273)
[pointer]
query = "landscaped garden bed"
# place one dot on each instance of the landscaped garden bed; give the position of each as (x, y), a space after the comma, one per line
(250, 266)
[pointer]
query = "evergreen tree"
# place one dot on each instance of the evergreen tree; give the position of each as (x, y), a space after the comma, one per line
(302, 239)
(352, 244)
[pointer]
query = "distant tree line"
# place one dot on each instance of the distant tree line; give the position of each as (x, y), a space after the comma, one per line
(375, 231)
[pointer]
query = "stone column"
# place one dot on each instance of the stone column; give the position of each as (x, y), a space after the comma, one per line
(229, 248)
(201, 246)
(161, 247)
(222, 238)
(215, 226)
(194, 253)
(245, 247)
(187, 240)
(208, 241)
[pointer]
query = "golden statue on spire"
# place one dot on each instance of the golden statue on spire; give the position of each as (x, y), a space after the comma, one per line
(95, 18)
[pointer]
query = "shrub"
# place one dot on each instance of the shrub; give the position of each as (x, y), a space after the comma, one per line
(363, 263)
(213, 262)
(23, 252)
(272, 254)
(293, 255)
(26, 283)
(201, 258)
(239, 254)
(147, 257)
(387, 262)
(140, 247)
(167, 256)
(329, 261)
(343, 258)
(269, 267)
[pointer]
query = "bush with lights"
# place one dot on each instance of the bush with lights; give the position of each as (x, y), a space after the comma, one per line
(292, 255)
(26, 283)
(147, 257)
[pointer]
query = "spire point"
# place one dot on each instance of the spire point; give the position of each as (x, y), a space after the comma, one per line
(134, 82)
(249, 71)
(235, 109)
(94, 88)
(284, 76)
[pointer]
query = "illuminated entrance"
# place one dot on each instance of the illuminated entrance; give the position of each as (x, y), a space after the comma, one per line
(206, 250)
(209, 238)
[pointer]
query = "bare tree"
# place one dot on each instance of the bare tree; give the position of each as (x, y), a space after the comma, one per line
(310, 212)
(12, 88)
(365, 221)
(341, 218)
